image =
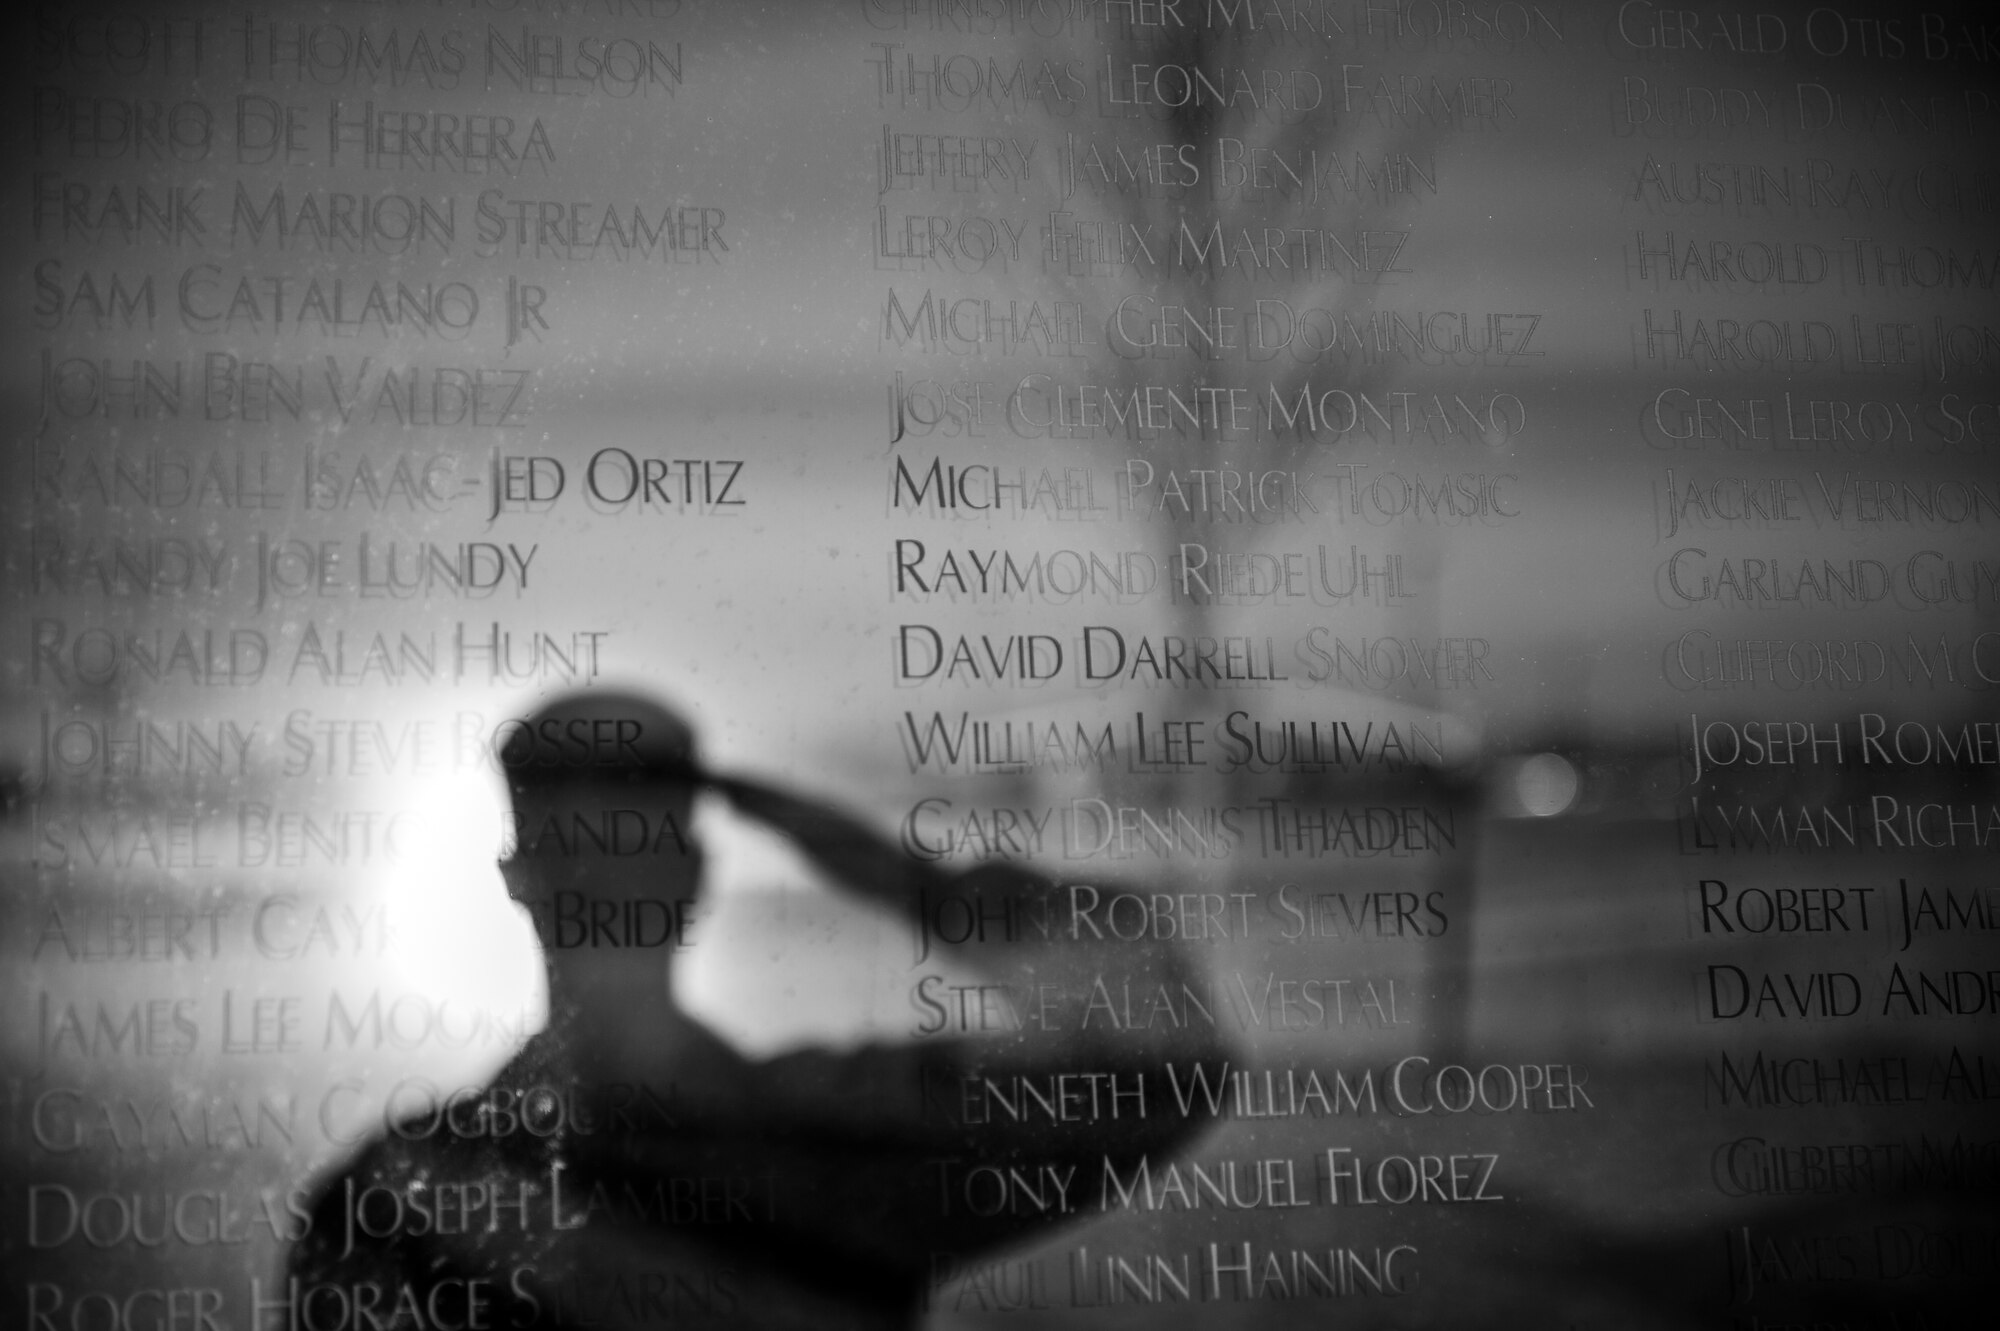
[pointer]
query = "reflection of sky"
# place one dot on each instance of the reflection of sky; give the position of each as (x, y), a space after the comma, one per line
(773, 622)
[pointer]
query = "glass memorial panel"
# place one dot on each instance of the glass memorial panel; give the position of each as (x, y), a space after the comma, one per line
(1000, 663)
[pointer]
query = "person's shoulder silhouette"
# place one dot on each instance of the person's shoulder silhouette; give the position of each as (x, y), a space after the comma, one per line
(631, 1168)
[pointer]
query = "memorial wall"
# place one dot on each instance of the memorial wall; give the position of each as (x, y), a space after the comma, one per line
(1168, 663)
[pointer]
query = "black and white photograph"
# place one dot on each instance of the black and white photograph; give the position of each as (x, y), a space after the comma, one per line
(1000, 665)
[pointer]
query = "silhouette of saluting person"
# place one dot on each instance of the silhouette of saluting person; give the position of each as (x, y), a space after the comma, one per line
(629, 1168)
